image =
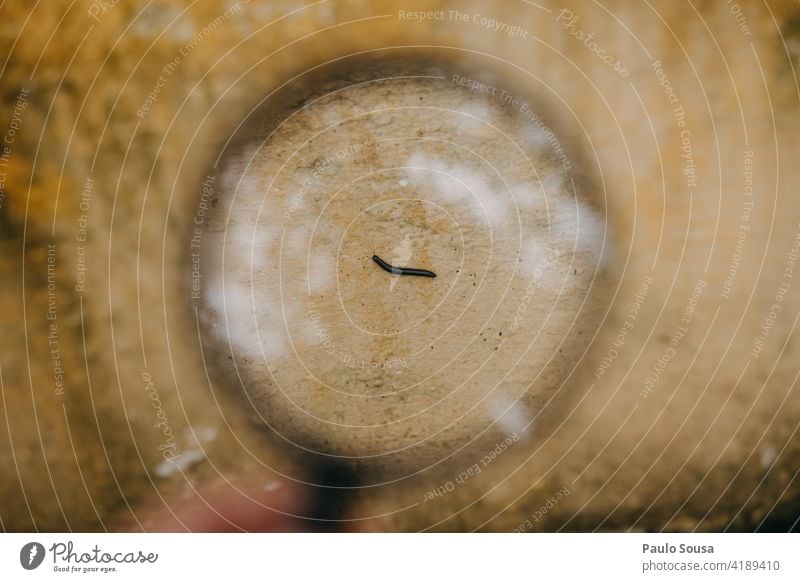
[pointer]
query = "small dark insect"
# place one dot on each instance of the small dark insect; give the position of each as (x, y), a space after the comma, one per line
(401, 270)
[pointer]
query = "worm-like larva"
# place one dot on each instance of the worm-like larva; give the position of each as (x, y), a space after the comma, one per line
(402, 270)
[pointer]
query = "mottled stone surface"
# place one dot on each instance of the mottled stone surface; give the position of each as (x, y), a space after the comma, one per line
(108, 164)
(405, 161)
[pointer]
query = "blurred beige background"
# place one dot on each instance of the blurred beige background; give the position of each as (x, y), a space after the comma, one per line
(691, 426)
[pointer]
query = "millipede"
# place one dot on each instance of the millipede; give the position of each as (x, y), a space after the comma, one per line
(402, 270)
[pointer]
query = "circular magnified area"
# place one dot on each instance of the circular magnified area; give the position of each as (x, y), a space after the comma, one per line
(426, 167)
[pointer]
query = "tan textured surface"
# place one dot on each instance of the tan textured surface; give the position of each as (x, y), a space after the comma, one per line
(341, 357)
(713, 445)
